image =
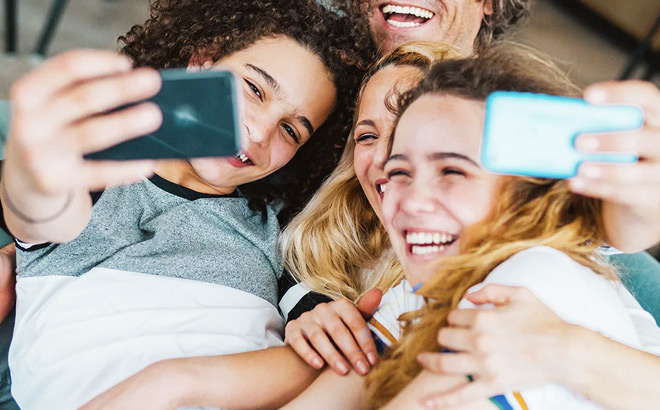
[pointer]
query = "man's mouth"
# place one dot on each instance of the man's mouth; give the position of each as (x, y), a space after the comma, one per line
(405, 16)
(429, 242)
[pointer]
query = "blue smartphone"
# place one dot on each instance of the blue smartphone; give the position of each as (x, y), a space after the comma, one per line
(200, 119)
(534, 134)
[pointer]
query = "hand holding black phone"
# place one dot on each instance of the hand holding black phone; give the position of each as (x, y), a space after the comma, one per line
(200, 119)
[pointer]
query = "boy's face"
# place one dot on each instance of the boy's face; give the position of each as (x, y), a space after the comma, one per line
(288, 94)
(452, 22)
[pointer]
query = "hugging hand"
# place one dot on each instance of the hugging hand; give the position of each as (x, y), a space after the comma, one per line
(631, 192)
(316, 335)
(512, 346)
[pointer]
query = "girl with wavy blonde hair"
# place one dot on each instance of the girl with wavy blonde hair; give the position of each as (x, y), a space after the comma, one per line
(337, 245)
(521, 231)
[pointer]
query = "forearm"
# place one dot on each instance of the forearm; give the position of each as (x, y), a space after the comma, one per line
(262, 379)
(631, 230)
(610, 373)
(332, 391)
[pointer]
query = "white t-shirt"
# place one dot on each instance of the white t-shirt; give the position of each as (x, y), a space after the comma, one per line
(572, 291)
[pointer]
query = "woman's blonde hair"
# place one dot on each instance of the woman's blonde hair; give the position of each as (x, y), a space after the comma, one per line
(337, 245)
(528, 212)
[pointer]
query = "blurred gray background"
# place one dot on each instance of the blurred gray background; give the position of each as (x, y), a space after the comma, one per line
(593, 39)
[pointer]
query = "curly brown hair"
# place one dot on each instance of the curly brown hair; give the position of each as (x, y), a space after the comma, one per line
(179, 29)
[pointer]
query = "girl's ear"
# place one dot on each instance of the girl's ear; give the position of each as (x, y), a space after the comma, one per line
(488, 7)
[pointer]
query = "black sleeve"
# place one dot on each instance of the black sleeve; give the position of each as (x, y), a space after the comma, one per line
(295, 304)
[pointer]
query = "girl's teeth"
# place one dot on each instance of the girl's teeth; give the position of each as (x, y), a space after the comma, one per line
(429, 238)
(425, 250)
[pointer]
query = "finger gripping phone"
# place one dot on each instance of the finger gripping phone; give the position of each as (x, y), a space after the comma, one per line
(534, 134)
(200, 119)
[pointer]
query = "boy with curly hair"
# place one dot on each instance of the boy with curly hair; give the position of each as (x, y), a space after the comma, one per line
(183, 262)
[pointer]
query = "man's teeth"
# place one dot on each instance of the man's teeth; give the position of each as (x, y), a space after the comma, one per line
(243, 158)
(415, 11)
(403, 24)
(424, 250)
(429, 238)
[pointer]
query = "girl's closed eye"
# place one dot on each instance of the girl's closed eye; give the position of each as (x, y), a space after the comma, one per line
(366, 138)
(452, 171)
(397, 175)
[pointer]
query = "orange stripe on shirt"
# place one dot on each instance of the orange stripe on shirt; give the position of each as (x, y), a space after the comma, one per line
(520, 400)
(383, 330)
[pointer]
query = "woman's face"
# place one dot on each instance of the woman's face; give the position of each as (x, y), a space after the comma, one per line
(436, 187)
(288, 94)
(374, 126)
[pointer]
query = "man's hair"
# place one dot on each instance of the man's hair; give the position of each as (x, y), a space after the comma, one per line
(178, 30)
(506, 14)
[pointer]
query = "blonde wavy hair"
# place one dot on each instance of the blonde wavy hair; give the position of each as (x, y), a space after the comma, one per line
(528, 212)
(337, 245)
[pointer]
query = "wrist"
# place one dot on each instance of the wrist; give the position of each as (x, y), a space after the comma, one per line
(582, 347)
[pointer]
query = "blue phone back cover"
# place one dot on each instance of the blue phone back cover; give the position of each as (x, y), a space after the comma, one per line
(534, 134)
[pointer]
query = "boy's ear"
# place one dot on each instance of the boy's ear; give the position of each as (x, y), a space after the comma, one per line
(488, 7)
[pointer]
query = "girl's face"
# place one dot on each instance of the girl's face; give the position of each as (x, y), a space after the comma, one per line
(374, 126)
(288, 94)
(436, 187)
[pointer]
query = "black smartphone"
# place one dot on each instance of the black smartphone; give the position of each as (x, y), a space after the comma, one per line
(200, 119)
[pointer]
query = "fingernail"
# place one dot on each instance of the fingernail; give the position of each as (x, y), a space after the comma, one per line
(125, 64)
(151, 115)
(317, 363)
(577, 184)
(342, 367)
(362, 367)
(588, 143)
(147, 79)
(373, 358)
(595, 95)
(429, 404)
(591, 172)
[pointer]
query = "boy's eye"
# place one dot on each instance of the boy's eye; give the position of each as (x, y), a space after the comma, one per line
(291, 132)
(255, 90)
(365, 138)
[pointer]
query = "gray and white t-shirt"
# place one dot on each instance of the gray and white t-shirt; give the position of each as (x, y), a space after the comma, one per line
(160, 272)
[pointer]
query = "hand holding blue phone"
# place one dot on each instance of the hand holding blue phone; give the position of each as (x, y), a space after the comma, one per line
(534, 134)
